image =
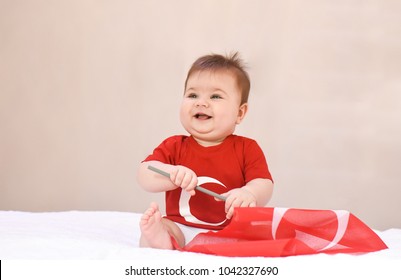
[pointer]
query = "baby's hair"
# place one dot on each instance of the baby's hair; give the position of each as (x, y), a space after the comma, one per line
(231, 62)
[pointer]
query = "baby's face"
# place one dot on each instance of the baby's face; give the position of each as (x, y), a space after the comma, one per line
(211, 108)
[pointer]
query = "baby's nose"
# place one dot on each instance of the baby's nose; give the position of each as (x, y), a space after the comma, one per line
(202, 102)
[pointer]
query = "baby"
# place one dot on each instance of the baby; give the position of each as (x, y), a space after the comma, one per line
(214, 102)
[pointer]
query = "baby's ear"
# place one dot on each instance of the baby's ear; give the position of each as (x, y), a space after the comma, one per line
(242, 112)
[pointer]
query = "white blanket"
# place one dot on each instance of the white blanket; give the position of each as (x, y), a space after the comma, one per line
(84, 235)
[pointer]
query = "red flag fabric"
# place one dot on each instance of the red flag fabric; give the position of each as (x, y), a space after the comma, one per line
(278, 232)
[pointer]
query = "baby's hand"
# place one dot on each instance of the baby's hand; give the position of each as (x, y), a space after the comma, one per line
(238, 198)
(184, 178)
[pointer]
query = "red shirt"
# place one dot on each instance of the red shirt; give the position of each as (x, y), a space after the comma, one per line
(232, 163)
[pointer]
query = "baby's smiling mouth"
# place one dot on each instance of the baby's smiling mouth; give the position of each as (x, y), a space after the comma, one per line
(201, 116)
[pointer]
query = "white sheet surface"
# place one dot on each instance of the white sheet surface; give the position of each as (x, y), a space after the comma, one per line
(84, 235)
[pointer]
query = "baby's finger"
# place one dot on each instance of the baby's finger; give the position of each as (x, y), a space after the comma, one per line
(173, 175)
(236, 202)
(230, 213)
(194, 181)
(222, 194)
(179, 177)
(176, 176)
(248, 203)
(186, 181)
(244, 204)
(229, 203)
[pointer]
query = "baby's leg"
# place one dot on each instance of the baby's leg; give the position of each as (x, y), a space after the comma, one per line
(156, 231)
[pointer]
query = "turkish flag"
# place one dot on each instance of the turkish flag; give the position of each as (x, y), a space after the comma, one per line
(278, 232)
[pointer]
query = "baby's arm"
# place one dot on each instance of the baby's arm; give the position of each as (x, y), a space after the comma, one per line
(180, 176)
(256, 193)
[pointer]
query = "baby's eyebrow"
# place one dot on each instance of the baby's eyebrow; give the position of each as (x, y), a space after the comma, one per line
(191, 89)
(218, 90)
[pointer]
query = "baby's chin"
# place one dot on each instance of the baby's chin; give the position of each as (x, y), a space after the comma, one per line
(208, 141)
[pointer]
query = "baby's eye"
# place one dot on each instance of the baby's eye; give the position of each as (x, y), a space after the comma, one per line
(192, 95)
(215, 96)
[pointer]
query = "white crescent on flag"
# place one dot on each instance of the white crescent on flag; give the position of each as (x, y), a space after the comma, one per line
(313, 241)
(185, 210)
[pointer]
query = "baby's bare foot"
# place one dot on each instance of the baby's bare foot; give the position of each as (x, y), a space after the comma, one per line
(153, 232)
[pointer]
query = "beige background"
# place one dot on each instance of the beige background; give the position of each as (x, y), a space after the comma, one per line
(89, 88)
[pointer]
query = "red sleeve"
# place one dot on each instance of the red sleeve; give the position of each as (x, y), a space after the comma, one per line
(255, 163)
(167, 151)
